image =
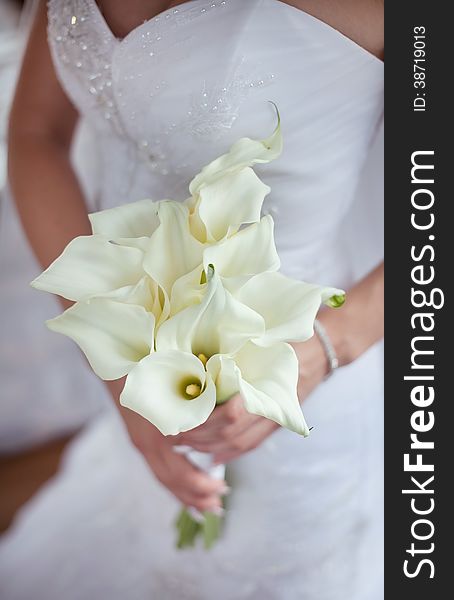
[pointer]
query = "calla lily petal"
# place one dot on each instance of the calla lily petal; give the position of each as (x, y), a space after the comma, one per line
(226, 376)
(172, 250)
(113, 336)
(231, 201)
(250, 251)
(146, 293)
(156, 389)
(289, 307)
(132, 220)
(196, 225)
(244, 153)
(268, 384)
(188, 290)
(141, 243)
(90, 266)
(219, 324)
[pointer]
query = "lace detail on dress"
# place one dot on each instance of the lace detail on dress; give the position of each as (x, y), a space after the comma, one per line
(83, 47)
(83, 44)
(213, 111)
(162, 27)
(215, 108)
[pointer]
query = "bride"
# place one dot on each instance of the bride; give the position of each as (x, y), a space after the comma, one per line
(166, 87)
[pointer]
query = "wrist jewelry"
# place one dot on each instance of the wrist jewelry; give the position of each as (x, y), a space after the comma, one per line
(325, 340)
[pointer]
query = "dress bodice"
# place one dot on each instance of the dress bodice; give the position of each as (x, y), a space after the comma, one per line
(180, 88)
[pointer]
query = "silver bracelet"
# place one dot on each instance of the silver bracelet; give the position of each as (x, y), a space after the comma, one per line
(325, 340)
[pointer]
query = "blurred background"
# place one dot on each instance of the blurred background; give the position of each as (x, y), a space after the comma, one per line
(41, 409)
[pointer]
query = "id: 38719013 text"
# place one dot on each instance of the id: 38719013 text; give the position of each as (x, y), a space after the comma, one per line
(419, 68)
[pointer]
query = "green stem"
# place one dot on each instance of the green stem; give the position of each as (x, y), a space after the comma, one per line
(211, 529)
(189, 530)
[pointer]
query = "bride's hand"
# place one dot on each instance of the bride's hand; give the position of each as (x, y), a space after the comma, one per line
(229, 432)
(190, 485)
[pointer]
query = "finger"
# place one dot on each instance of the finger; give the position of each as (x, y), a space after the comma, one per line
(201, 484)
(207, 430)
(190, 477)
(226, 437)
(190, 485)
(198, 492)
(201, 503)
(212, 504)
(246, 442)
(176, 471)
(226, 414)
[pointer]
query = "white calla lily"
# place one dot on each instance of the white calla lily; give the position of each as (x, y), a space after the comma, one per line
(137, 219)
(226, 376)
(267, 381)
(90, 266)
(244, 153)
(230, 201)
(113, 336)
(268, 384)
(188, 290)
(172, 390)
(250, 251)
(218, 324)
(185, 299)
(172, 251)
(146, 293)
(236, 259)
(196, 225)
(141, 243)
(288, 306)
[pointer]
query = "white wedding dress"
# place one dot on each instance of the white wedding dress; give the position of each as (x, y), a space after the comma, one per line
(304, 517)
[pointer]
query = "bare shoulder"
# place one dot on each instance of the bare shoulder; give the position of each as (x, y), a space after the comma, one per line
(360, 20)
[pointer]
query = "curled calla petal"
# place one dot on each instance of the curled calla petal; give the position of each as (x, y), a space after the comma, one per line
(234, 199)
(172, 250)
(218, 324)
(113, 336)
(196, 225)
(288, 306)
(90, 266)
(244, 153)
(249, 252)
(268, 384)
(146, 293)
(141, 243)
(226, 376)
(172, 390)
(188, 290)
(136, 219)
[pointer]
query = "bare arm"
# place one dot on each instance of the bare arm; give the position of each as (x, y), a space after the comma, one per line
(53, 211)
(42, 122)
(359, 323)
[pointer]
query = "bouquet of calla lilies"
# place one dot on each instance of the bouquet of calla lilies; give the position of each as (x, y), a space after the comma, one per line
(186, 300)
